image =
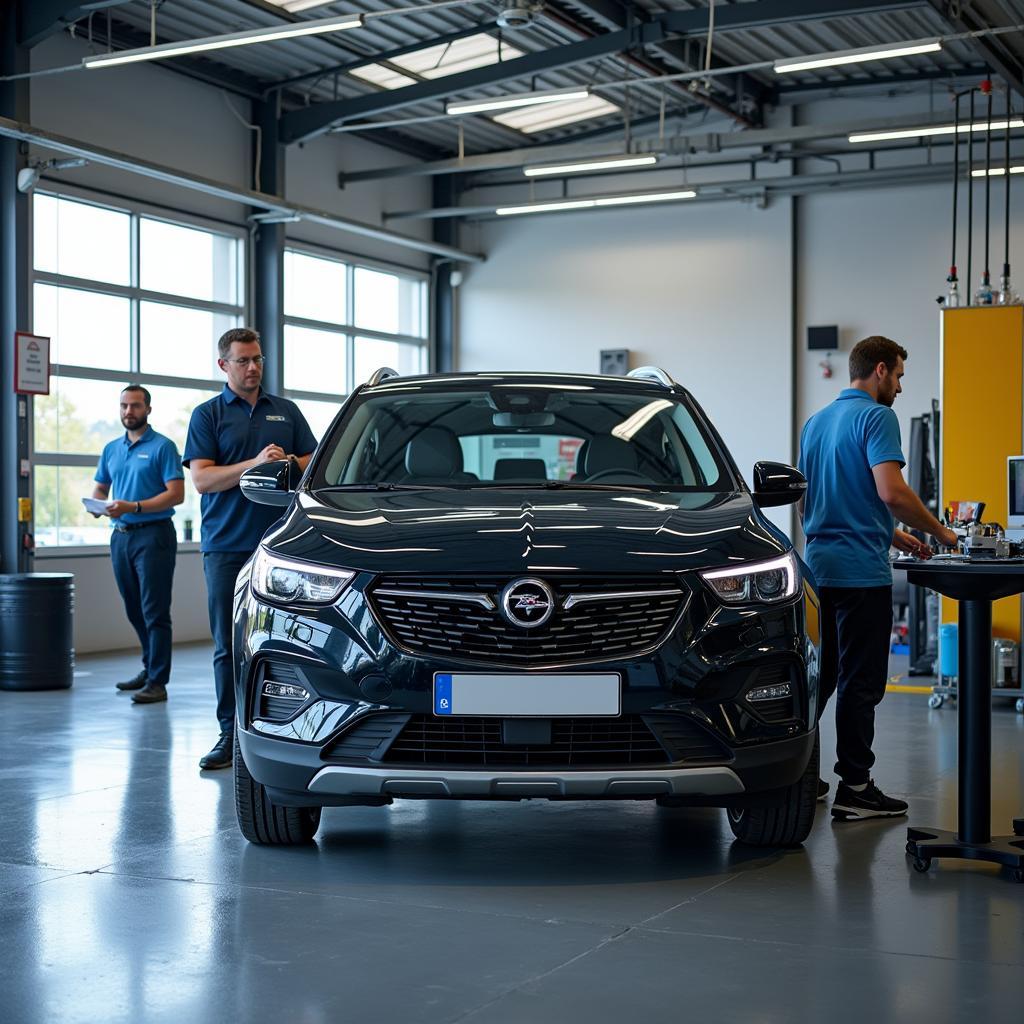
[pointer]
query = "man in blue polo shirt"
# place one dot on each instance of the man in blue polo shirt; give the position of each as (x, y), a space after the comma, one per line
(241, 428)
(144, 470)
(850, 453)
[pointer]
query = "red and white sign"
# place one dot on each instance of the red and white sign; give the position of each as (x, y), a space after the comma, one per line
(31, 364)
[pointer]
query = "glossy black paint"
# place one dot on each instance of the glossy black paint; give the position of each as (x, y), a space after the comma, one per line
(776, 484)
(701, 668)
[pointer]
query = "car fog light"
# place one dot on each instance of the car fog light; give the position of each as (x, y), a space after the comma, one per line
(286, 690)
(776, 692)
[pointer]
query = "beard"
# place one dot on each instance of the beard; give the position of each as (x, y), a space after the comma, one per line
(133, 422)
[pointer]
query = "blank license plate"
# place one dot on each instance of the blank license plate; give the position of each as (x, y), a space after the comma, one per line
(515, 696)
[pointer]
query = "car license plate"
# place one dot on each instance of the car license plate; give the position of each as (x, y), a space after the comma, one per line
(530, 696)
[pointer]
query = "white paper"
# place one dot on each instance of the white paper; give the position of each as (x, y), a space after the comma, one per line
(96, 505)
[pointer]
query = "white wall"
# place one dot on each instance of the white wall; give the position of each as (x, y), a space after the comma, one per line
(703, 291)
(160, 116)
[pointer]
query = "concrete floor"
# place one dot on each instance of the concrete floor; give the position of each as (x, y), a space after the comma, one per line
(127, 893)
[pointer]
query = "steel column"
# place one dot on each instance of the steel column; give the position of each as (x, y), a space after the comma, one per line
(268, 252)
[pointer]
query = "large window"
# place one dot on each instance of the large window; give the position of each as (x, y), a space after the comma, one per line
(124, 295)
(342, 322)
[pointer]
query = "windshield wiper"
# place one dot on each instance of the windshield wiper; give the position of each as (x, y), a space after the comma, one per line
(380, 486)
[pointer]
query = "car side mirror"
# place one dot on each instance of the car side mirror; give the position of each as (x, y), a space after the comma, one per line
(775, 483)
(270, 484)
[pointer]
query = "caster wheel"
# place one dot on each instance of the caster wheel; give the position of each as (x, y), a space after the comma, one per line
(935, 701)
(912, 849)
(921, 864)
(1018, 874)
(1020, 705)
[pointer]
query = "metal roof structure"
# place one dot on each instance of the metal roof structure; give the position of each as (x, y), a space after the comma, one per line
(569, 43)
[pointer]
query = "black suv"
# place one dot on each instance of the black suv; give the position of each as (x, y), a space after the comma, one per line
(515, 585)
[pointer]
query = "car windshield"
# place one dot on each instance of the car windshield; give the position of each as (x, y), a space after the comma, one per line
(521, 435)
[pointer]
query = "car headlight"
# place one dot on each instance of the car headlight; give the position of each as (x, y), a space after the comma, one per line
(756, 581)
(280, 579)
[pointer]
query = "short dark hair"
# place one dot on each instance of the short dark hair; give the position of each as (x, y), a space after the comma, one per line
(138, 387)
(867, 354)
(244, 335)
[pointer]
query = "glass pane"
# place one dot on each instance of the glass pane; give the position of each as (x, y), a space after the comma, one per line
(314, 360)
(172, 409)
(60, 517)
(318, 414)
(81, 240)
(389, 303)
(314, 288)
(180, 342)
(78, 417)
(84, 328)
(373, 353)
(188, 261)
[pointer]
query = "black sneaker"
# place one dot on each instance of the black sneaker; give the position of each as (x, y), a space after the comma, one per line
(868, 803)
(134, 684)
(822, 790)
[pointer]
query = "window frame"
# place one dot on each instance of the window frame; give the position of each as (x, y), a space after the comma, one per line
(348, 330)
(136, 210)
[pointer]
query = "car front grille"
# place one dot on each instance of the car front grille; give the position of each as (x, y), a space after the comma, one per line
(594, 618)
(476, 742)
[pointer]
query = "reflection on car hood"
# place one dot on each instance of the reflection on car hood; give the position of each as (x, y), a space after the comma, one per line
(518, 530)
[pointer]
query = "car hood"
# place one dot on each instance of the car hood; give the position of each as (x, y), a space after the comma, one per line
(517, 530)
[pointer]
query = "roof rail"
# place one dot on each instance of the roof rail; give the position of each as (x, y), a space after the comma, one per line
(381, 375)
(655, 373)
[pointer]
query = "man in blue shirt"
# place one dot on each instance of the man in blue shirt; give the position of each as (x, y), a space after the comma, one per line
(241, 428)
(850, 453)
(144, 470)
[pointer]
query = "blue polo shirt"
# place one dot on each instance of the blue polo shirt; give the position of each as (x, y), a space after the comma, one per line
(848, 526)
(137, 470)
(228, 430)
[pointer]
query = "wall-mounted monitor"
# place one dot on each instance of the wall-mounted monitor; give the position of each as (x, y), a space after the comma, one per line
(825, 339)
(1015, 484)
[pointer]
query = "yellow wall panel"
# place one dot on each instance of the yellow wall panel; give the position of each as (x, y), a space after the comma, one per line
(982, 420)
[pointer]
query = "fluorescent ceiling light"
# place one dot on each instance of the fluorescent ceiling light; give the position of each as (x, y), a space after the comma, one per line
(294, 6)
(450, 58)
(383, 76)
(555, 115)
(980, 172)
(588, 204)
(604, 163)
(246, 38)
(859, 56)
(942, 129)
(523, 99)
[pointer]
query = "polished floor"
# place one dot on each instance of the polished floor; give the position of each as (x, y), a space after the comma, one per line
(127, 893)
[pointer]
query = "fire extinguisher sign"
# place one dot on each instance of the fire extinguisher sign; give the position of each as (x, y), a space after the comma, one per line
(31, 364)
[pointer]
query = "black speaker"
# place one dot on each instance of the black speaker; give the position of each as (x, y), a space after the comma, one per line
(824, 338)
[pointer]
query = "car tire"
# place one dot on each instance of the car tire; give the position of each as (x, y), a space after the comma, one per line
(787, 823)
(261, 820)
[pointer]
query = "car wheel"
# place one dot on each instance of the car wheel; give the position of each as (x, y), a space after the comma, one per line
(788, 823)
(264, 822)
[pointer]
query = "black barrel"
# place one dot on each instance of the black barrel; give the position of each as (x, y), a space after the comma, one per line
(36, 639)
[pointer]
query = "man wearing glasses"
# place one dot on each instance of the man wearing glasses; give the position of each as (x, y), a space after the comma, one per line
(242, 427)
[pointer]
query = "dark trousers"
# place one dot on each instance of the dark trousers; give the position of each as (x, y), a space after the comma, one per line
(221, 568)
(856, 626)
(143, 563)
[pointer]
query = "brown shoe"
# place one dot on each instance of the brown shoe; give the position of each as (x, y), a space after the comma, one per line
(151, 693)
(134, 684)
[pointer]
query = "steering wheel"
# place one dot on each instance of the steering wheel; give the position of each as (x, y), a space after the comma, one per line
(617, 472)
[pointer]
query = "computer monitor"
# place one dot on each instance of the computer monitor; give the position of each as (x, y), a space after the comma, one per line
(1015, 483)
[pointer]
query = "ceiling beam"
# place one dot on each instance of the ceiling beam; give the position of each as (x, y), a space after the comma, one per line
(996, 54)
(39, 19)
(276, 206)
(302, 124)
(691, 142)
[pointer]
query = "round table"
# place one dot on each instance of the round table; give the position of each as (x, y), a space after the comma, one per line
(975, 584)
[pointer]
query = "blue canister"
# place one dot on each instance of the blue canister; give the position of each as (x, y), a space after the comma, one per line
(949, 650)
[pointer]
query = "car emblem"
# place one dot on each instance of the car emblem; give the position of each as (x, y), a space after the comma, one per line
(527, 603)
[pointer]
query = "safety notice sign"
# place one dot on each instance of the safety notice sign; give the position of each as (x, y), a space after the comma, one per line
(31, 364)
